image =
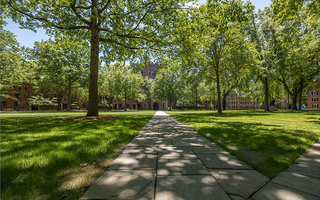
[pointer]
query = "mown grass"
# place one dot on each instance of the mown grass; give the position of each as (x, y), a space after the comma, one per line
(267, 141)
(41, 156)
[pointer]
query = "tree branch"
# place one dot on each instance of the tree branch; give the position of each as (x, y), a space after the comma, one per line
(47, 21)
(73, 7)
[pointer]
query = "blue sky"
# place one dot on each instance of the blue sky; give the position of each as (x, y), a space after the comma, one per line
(27, 37)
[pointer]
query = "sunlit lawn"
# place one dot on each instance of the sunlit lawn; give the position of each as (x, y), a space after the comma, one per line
(267, 141)
(41, 156)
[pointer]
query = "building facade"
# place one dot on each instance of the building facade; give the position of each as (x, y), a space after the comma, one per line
(240, 102)
(313, 98)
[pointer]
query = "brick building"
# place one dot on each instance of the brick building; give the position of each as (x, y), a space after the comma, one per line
(240, 102)
(313, 98)
(24, 92)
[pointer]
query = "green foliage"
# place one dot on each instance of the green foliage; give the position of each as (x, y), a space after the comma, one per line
(14, 70)
(39, 100)
(62, 65)
(166, 86)
(125, 28)
(122, 82)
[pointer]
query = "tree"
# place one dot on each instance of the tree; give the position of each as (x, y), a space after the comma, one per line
(166, 86)
(297, 54)
(147, 89)
(62, 65)
(39, 100)
(14, 69)
(123, 27)
(128, 83)
(108, 83)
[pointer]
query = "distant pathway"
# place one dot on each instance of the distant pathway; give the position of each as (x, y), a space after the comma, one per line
(169, 161)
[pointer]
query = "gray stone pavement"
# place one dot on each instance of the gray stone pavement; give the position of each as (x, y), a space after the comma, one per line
(167, 160)
(301, 181)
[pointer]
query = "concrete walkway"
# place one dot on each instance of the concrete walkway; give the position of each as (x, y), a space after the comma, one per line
(301, 181)
(169, 161)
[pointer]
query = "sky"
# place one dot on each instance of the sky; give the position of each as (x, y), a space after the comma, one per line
(27, 37)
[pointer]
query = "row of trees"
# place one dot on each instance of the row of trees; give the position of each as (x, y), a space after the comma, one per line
(217, 47)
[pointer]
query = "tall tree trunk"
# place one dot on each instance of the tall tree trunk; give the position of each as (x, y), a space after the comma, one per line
(69, 97)
(288, 101)
(218, 91)
(300, 94)
(266, 94)
(170, 101)
(94, 64)
(59, 95)
(294, 101)
(196, 98)
(125, 100)
(1, 105)
(224, 100)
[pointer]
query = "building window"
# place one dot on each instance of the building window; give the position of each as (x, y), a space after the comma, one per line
(16, 103)
(154, 73)
(17, 95)
(314, 92)
(114, 100)
(314, 99)
(25, 95)
(127, 105)
(25, 87)
(142, 73)
(19, 88)
(65, 99)
(55, 95)
(149, 72)
(315, 106)
(46, 95)
(120, 104)
(139, 105)
(235, 107)
(4, 102)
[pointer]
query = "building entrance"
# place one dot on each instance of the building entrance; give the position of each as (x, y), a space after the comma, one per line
(155, 106)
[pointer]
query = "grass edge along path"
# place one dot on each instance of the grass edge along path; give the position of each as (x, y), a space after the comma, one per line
(267, 141)
(43, 157)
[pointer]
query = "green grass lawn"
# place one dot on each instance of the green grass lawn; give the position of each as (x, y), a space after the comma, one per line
(41, 156)
(267, 141)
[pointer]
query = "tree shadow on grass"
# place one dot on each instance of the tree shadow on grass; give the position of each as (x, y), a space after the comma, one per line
(39, 148)
(269, 149)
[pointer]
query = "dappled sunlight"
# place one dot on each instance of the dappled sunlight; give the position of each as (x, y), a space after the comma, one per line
(35, 153)
(269, 142)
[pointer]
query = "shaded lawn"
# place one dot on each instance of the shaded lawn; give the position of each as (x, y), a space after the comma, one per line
(41, 157)
(267, 141)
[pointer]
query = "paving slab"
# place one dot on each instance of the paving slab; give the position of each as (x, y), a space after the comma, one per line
(222, 161)
(140, 150)
(124, 184)
(150, 141)
(134, 161)
(209, 150)
(307, 170)
(240, 182)
(180, 166)
(203, 187)
(175, 152)
(234, 197)
(299, 182)
(275, 191)
(191, 142)
(309, 159)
